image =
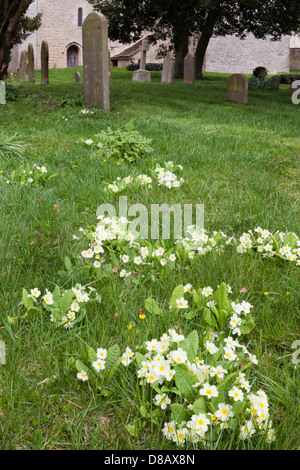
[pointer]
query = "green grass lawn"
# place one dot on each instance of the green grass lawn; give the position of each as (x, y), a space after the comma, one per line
(240, 161)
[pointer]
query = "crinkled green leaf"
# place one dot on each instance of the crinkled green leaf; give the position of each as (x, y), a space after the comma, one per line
(152, 307)
(247, 325)
(221, 297)
(177, 293)
(177, 412)
(184, 380)
(191, 345)
(199, 405)
(92, 355)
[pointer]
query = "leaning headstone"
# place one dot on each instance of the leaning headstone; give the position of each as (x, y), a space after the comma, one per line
(2, 93)
(189, 69)
(77, 77)
(31, 64)
(168, 69)
(44, 63)
(142, 75)
(22, 67)
(237, 88)
(275, 82)
(95, 61)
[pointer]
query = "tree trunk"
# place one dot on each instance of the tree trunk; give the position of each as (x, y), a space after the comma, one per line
(11, 13)
(179, 58)
(181, 45)
(204, 39)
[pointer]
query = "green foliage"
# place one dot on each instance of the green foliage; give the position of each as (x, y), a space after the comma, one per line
(124, 143)
(15, 27)
(152, 307)
(71, 101)
(228, 171)
(11, 147)
(27, 175)
(12, 93)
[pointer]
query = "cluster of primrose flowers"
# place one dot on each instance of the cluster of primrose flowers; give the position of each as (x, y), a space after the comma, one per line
(107, 230)
(199, 242)
(198, 428)
(62, 306)
(166, 176)
(113, 229)
(217, 403)
(98, 362)
(280, 244)
(86, 111)
(121, 184)
(237, 314)
(147, 255)
(28, 175)
(161, 175)
(90, 142)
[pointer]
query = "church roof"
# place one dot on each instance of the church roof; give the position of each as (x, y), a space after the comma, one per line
(131, 50)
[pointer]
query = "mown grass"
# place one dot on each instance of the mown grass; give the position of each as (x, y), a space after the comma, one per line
(241, 162)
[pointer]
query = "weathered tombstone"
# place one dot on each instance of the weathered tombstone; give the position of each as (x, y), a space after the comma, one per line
(237, 88)
(142, 75)
(95, 61)
(2, 93)
(44, 63)
(168, 69)
(22, 67)
(275, 82)
(31, 64)
(10, 77)
(77, 77)
(189, 69)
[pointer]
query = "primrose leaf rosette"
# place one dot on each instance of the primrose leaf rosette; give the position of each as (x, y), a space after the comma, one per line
(203, 389)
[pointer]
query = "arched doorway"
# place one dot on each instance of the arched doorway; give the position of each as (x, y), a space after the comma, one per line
(72, 56)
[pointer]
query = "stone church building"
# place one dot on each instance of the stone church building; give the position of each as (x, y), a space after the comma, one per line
(62, 29)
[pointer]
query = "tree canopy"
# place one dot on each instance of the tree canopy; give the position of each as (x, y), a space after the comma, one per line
(15, 26)
(179, 20)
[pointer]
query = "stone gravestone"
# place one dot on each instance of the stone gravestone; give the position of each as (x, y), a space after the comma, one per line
(95, 61)
(189, 69)
(77, 77)
(275, 82)
(31, 64)
(22, 67)
(44, 63)
(168, 69)
(10, 77)
(142, 75)
(2, 93)
(237, 88)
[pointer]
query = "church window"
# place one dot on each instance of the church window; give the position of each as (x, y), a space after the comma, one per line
(79, 16)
